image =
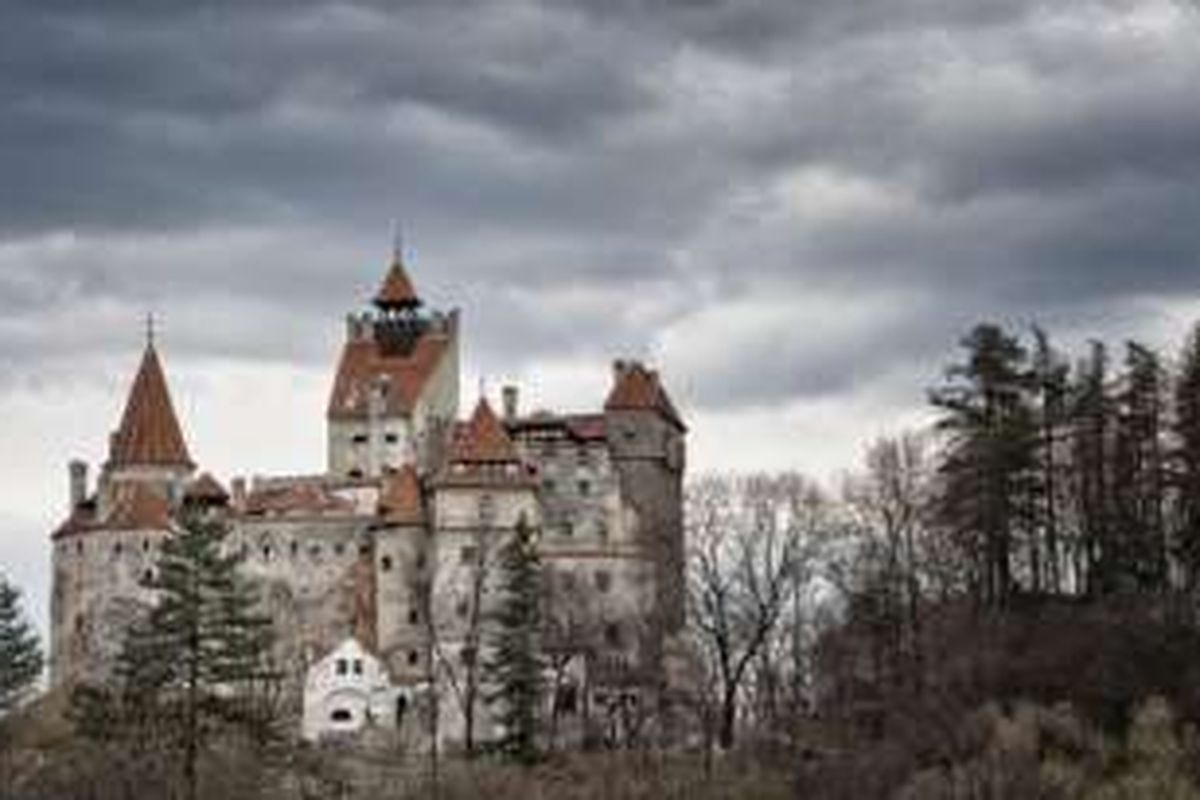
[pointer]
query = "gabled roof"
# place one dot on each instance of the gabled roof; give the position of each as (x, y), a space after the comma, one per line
(639, 389)
(149, 433)
(400, 497)
(397, 290)
(206, 489)
(482, 440)
(364, 366)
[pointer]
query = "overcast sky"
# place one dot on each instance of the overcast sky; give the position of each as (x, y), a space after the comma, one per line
(793, 207)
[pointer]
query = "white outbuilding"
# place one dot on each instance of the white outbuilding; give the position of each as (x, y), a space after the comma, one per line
(348, 691)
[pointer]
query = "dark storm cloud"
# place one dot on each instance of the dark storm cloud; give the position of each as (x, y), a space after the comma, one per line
(595, 176)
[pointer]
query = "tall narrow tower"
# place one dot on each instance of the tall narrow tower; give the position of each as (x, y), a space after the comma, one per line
(396, 390)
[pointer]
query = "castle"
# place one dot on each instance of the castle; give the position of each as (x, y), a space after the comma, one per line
(387, 554)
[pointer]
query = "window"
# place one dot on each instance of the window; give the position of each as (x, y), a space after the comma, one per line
(391, 438)
(413, 658)
(266, 552)
(358, 668)
(566, 699)
(359, 438)
(341, 715)
(145, 545)
(602, 528)
(603, 580)
(342, 666)
(585, 488)
(339, 549)
(356, 473)
(461, 609)
(315, 551)
(295, 548)
(549, 485)
(612, 635)
(420, 561)
(385, 564)
(147, 575)
(487, 510)
(413, 616)
(468, 554)
(402, 702)
(364, 549)
(117, 550)
(568, 529)
(79, 548)
(583, 457)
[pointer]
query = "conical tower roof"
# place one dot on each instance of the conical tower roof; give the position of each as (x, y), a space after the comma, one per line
(149, 432)
(483, 439)
(397, 290)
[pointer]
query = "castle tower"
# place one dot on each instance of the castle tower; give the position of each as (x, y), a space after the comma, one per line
(646, 437)
(396, 390)
(108, 544)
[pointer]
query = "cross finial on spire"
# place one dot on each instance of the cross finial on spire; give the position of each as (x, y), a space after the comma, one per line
(150, 328)
(397, 243)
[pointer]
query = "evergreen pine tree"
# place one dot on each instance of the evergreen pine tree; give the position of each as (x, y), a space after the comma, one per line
(1186, 460)
(514, 664)
(991, 439)
(20, 653)
(1092, 418)
(198, 665)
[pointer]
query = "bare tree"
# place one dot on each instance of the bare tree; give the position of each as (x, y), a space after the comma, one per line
(750, 552)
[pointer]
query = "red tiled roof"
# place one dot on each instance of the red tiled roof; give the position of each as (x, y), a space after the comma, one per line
(400, 497)
(397, 290)
(149, 432)
(136, 506)
(639, 389)
(363, 364)
(207, 488)
(580, 427)
(482, 440)
(296, 498)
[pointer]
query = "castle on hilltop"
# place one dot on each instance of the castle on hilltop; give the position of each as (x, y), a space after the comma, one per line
(377, 572)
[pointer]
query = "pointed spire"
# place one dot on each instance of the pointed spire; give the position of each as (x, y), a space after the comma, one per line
(149, 433)
(483, 439)
(396, 291)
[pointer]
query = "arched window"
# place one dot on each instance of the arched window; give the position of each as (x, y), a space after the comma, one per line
(341, 715)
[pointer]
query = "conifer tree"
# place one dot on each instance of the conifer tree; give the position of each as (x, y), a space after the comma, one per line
(989, 456)
(198, 666)
(20, 653)
(1186, 460)
(515, 664)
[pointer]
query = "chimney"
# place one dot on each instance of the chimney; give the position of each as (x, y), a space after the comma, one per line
(510, 395)
(78, 471)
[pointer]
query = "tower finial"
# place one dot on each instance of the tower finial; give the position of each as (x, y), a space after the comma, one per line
(397, 242)
(149, 328)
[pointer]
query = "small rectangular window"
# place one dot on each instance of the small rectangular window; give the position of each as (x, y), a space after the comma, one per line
(341, 666)
(585, 488)
(468, 554)
(358, 668)
(391, 438)
(359, 438)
